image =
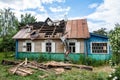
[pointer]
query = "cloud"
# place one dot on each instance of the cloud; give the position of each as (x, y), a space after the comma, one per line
(51, 1)
(94, 5)
(21, 4)
(34, 7)
(106, 15)
(59, 9)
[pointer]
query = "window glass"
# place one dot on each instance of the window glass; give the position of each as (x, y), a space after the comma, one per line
(48, 47)
(28, 47)
(99, 47)
(72, 47)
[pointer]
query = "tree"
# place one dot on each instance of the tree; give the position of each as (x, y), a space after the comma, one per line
(114, 37)
(101, 31)
(27, 18)
(8, 27)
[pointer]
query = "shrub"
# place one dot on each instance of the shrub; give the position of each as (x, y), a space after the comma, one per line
(94, 62)
(90, 61)
(115, 75)
(41, 58)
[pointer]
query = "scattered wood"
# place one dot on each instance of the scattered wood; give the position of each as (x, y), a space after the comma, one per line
(21, 71)
(27, 68)
(59, 70)
(68, 66)
(9, 62)
(18, 67)
(43, 76)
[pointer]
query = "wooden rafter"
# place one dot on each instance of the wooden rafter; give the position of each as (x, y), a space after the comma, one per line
(54, 31)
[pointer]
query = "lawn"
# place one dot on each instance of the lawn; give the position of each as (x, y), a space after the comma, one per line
(98, 73)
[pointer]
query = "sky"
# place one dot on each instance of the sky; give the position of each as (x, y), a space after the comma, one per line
(99, 13)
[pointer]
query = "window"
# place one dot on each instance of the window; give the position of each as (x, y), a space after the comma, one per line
(99, 47)
(28, 47)
(48, 47)
(72, 47)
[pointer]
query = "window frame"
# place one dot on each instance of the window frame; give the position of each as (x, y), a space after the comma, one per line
(72, 46)
(47, 46)
(99, 53)
(27, 47)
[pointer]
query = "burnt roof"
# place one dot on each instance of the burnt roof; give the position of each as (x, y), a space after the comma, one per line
(74, 28)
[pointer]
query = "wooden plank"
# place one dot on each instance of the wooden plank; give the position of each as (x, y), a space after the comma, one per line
(21, 73)
(25, 71)
(18, 66)
(54, 31)
(17, 72)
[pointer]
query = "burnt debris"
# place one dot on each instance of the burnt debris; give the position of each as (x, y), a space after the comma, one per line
(48, 28)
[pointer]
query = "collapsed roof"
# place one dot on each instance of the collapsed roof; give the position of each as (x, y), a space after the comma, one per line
(54, 29)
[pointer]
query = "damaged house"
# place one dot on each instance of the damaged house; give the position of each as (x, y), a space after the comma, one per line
(47, 39)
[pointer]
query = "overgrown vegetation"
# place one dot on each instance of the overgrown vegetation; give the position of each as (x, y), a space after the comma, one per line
(115, 74)
(9, 25)
(74, 74)
(114, 38)
(91, 62)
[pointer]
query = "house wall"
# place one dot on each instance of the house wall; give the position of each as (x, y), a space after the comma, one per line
(20, 45)
(59, 47)
(98, 56)
(82, 45)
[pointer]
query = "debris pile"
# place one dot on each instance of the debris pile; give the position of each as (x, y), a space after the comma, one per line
(28, 67)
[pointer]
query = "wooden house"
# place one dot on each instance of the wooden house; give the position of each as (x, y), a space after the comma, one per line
(43, 39)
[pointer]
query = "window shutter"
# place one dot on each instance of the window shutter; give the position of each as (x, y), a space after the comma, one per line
(53, 46)
(77, 47)
(43, 47)
(33, 46)
(24, 47)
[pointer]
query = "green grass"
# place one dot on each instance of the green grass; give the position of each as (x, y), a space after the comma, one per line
(99, 73)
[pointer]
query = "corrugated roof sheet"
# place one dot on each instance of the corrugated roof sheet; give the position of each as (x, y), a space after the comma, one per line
(22, 34)
(77, 29)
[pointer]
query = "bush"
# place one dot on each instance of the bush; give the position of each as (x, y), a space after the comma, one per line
(94, 62)
(115, 75)
(90, 61)
(116, 58)
(41, 58)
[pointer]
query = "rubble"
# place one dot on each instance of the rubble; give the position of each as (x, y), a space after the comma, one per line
(28, 67)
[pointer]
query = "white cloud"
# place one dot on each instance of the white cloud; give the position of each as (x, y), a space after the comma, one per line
(21, 7)
(107, 13)
(21, 4)
(94, 5)
(59, 9)
(51, 1)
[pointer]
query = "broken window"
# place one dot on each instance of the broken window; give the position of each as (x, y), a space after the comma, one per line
(48, 47)
(99, 47)
(72, 47)
(28, 47)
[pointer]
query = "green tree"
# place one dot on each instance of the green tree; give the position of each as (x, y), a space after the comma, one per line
(27, 18)
(101, 31)
(8, 27)
(114, 37)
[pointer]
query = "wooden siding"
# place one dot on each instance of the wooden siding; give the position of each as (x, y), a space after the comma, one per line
(59, 47)
(81, 45)
(38, 45)
(20, 45)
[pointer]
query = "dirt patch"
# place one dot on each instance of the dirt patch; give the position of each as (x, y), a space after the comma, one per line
(107, 69)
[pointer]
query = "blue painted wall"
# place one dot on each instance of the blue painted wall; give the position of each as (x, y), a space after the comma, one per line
(97, 38)
(16, 49)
